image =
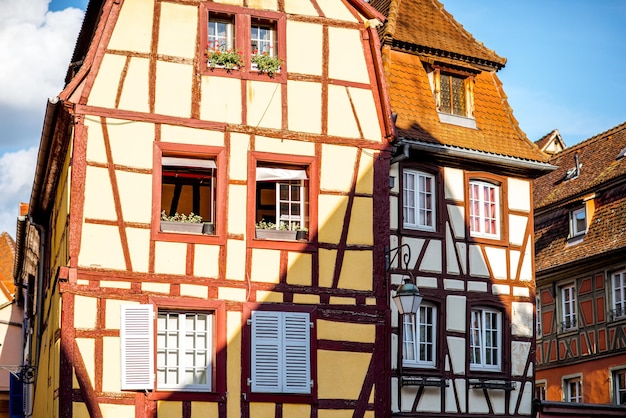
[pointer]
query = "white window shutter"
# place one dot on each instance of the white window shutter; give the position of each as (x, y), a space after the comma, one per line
(137, 343)
(297, 370)
(266, 362)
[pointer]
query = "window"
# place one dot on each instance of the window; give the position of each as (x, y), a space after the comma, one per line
(619, 383)
(618, 288)
(568, 307)
(180, 355)
(282, 197)
(540, 391)
(485, 339)
(184, 350)
(263, 37)
(578, 222)
(452, 94)
(484, 210)
(281, 352)
(221, 32)
(419, 337)
(418, 200)
(188, 186)
(573, 390)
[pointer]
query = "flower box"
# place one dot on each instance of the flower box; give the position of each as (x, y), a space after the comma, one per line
(276, 234)
(182, 227)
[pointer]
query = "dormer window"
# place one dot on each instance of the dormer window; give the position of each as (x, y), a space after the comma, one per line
(453, 91)
(578, 222)
(452, 94)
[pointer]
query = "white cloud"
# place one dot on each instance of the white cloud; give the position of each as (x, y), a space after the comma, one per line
(17, 170)
(35, 48)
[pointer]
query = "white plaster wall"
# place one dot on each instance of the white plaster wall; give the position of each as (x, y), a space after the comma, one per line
(178, 28)
(456, 215)
(337, 167)
(237, 198)
(98, 195)
(206, 260)
(300, 7)
(517, 229)
(299, 92)
(173, 89)
(104, 90)
(451, 258)
(365, 176)
(220, 99)
(281, 146)
(238, 164)
(520, 350)
(85, 312)
(265, 266)
(497, 262)
(235, 253)
(135, 193)
(519, 194)
(335, 10)
(95, 239)
(363, 100)
(455, 306)
(341, 117)
(477, 263)
(139, 246)
(331, 210)
(264, 104)
(432, 258)
(458, 385)
(185, 135)
(131, 142)
(135, 94)
(526, 274)
(522, 319)
(415, 244)
(170, 257)
(454, 184)
(111, 360)
(456, 351)
(346, 60)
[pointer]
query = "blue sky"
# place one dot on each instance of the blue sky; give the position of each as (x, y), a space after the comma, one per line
(566, 61)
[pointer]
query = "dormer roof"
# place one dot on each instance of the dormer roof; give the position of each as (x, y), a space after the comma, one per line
(424, 26)
(551, 143)
(419, 33)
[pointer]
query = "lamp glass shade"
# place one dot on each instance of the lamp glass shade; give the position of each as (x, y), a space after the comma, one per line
(408, 298)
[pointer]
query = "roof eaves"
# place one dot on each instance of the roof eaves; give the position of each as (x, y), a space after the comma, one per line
(426, 50)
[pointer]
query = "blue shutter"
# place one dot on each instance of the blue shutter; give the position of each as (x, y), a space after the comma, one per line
(265, 350)
(296, 349)
(16, 397)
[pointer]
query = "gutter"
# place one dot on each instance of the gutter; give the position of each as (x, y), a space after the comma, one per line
(482, 156)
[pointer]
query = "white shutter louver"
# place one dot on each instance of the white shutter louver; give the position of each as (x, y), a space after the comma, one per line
(137, 344)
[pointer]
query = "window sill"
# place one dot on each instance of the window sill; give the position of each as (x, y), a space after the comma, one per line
(186, 395)
(424, 381)
(457, 120)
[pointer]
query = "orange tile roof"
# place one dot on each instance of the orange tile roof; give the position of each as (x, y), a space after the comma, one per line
(412, 99)
(425, 23)
(7, 255)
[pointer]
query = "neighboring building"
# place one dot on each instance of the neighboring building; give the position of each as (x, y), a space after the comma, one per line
(10, 325)
(462, 204)
(131, 319)
(580, 264)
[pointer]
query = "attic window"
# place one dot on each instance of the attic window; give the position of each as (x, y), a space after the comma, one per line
(621, 154)
(454, 97)
(574, 172)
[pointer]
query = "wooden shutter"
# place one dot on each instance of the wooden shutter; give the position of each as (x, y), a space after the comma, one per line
(137, 343)
(297, 370)
(265, 350)
(281, 352)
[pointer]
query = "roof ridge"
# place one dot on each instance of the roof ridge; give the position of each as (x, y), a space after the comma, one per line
(464, 32)
(594, 138)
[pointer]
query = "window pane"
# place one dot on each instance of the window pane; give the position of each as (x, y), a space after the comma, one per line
(458, 96)
(445, 100)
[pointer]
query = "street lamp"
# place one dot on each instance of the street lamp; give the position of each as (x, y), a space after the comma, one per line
(408, 297)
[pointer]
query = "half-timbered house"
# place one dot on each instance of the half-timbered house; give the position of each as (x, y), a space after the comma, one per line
(201, 236)
(461, 222)
(580, 224)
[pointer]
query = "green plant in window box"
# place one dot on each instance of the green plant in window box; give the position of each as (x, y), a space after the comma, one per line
(217, 56)
(190, 224)
(266, 63)
(282, 231)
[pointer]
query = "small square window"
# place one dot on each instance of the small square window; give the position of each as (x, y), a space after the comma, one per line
(188, 188)
(578, 222)
(573, 390)
(540, 391)
(221, 32)
(282, 199)
(418, 200)
(484, 210)
(263, 38)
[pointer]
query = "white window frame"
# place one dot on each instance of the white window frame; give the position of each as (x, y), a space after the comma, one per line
(568, 307)
(419, 337)
(490, 354)
(541, 387)
(618, 293)
(280, 352)
(270, 45)
(618, 377)
(573, 389)
(538, 325)
(478, 203)
(288, 178)
(215, 41)
(418, 200)
(575, 230)
(194, 345)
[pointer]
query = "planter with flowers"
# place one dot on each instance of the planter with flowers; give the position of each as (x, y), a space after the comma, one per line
(187, 224)
(282, 232)
(229, 59)
(266, 63)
